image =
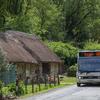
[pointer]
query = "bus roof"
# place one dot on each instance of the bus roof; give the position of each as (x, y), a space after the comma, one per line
(89, 51)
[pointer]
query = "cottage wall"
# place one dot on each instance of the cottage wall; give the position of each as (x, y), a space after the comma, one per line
(29, 70)
(54, 68)
(26, 70)
(40, 68)
(20, 71)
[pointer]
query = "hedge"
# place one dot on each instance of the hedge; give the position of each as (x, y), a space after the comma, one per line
(65, 51)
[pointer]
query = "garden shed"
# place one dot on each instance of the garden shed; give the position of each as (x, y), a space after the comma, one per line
(29, 54)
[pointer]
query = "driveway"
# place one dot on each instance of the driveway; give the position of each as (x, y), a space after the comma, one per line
(69, 93)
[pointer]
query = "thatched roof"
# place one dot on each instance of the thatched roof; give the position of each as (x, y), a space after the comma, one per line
(20, 47)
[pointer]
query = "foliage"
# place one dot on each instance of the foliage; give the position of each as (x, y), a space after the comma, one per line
(1, 85)
(33, 16)
(3, 61)
(75, 21)
(65, 51)
(65, 82)
(72, 70)
(13, 89)
(21, 88)
(92, 46)
(65, 20)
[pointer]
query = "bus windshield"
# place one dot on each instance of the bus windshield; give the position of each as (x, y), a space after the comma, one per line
(89, 67)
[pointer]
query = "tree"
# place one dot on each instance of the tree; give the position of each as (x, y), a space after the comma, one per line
(58, 20)
(35, 16)
(11, 8)
(66, 51)
(80, 20)
(3, 61)
(76, 16)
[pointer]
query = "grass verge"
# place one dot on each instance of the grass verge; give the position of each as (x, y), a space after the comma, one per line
(65, 81)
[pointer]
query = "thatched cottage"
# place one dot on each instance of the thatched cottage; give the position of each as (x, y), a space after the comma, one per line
(29, 54)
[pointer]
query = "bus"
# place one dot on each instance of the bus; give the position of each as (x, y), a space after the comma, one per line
(88, 71)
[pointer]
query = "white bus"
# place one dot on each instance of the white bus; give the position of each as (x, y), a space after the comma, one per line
(88, 71)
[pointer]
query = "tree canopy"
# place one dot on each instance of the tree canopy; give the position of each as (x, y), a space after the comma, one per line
(75, 21)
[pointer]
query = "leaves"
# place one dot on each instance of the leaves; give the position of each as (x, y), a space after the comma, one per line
(66, 51)
(92, 46)
(74, 21)
(3, 61)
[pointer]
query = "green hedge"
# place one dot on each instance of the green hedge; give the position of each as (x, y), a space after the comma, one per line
(92, 46)
(65, 51)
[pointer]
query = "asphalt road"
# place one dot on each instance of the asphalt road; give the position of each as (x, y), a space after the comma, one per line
(70, 93)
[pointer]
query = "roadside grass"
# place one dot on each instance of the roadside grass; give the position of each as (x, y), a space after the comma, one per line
(68, 80)
(43, 90)
(65, 81)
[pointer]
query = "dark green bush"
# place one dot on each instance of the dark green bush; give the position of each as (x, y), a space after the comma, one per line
(1, 85)
(72, 70)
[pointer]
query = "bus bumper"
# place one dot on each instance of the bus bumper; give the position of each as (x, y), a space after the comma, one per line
(88, 81)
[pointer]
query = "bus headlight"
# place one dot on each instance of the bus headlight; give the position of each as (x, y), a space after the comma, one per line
(79, 77)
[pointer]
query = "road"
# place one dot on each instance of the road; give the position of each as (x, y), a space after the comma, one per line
(70, 93)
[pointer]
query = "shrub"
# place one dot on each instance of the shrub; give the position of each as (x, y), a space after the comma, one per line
(65, 51)
(12, 88)
(72, 70)
(1, 84)
(17, 91)
(92, 46)
(21, 88)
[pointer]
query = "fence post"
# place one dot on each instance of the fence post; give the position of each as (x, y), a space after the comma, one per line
(58, 79)
(54, 80)
(32, 85)
(45, 81)
(38, 82)
(50, 80)
(26, 82)
(17, 86)
(1, 95)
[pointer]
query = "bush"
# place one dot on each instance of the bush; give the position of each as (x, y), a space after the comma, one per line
(65, 51)
(21, 88)
(1, 84)
(16, 91)
(92, 46)
(72, 70)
